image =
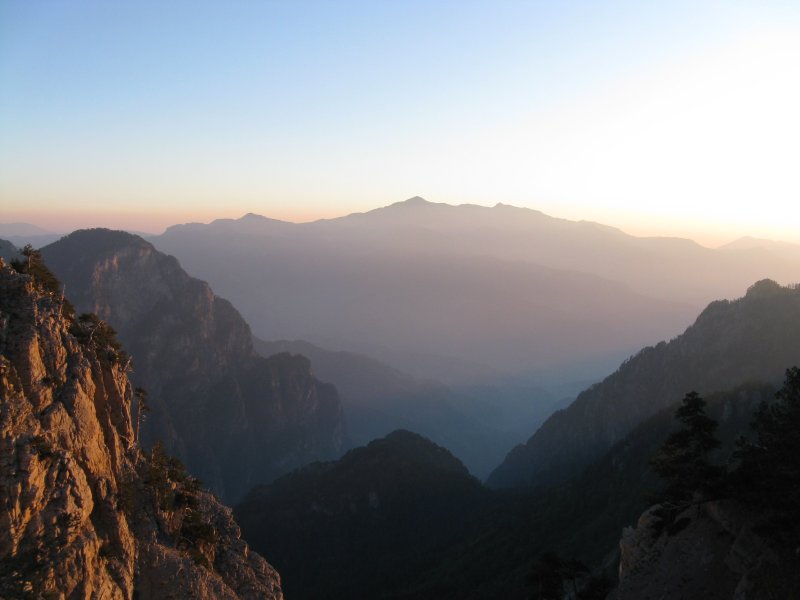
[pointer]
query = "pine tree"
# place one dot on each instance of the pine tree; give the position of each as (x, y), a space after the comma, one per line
(769, 470)
(682, 461)
(142, 408)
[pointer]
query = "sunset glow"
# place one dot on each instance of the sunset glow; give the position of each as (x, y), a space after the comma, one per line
(676, 120)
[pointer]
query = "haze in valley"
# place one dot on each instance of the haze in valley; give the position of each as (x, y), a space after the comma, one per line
(466, 213)
(454, 300)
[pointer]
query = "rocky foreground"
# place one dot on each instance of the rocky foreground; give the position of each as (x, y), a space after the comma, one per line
(84, 513)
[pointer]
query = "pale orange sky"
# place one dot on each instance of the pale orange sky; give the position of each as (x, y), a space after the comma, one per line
(699, 226)
(675, 118)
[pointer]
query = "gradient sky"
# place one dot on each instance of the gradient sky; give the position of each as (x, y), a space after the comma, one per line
(669, 118)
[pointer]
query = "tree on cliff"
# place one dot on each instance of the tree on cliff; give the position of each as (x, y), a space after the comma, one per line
(682, 461)
(769, 469)
(33, 265)
(142, 409)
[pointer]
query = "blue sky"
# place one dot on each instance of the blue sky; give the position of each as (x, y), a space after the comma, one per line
(674, 117)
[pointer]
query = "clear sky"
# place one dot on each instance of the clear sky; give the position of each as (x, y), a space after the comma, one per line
(658, 117)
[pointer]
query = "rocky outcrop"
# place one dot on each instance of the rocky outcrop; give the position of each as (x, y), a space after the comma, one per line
(753, 338)
(235, 418)
(84, 513)
(712, 550)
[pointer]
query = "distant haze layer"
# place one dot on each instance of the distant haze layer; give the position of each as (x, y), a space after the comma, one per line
(446, 291)
(709, 225)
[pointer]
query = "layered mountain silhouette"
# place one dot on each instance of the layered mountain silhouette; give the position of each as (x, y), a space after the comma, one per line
(427, 288)
(400, 516)
(235, 418)
(747, 340)
(490, 290)
(479, 424)
(753, 338)
(749, 244)
(20, 234)
(9, 251)
(380, 508)
(582, 519)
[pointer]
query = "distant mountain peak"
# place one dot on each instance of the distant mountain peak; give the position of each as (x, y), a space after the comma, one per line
(254, 217)
(250, 222)
(11, 229)
(100, 239)
(412, 202)
(764, 288)
(751, 243)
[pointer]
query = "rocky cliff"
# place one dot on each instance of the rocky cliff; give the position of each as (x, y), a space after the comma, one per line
(753, 338)
(714, 550)
(739, 539)
(84, 513)
(235, 418)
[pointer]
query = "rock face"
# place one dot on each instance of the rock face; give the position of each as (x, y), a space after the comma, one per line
(83, 512)
(751, 339)
(713, 550)
(235, 418)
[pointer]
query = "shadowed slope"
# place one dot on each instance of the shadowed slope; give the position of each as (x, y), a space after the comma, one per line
(750, 339)
(235, 418)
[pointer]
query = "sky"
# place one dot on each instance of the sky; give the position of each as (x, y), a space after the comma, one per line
(668, 118)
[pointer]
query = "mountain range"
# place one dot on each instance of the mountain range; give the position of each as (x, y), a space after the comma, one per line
(234, 417)
(369, 524)
(596, 487)
(479, 424)
(509, 302)
(753, 338)
(462, 293)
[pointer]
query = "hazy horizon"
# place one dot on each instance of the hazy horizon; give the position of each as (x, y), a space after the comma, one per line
(72, 222)
(660, 120)
(494, 245)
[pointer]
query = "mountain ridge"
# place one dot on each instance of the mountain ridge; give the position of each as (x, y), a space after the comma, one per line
(479, 424)
(425, 275)
(757, 334)
(375, 290)
(216, 403)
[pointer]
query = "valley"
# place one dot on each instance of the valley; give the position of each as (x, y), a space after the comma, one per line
(440, 475)
(399, 300)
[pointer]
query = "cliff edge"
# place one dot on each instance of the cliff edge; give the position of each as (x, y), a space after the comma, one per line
(84, 513)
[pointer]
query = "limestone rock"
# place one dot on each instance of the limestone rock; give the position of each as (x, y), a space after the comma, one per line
(81, 513)
(712, 550)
